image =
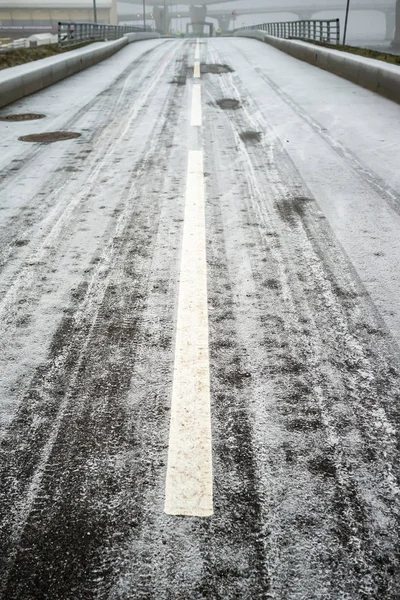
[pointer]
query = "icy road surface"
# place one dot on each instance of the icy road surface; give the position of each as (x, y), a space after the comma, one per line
(281, 314)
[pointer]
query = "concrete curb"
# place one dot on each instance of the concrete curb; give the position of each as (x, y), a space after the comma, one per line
(375, 75)
(136, 37)
(18, 82)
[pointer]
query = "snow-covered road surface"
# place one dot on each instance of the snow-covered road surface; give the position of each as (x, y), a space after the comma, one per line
(302, 231)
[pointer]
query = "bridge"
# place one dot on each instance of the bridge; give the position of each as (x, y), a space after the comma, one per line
(223, 14)
(199, 323)
(53, 10)
(46, 13)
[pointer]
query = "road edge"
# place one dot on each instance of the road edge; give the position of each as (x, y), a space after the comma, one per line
(369, 73)
(17, 83)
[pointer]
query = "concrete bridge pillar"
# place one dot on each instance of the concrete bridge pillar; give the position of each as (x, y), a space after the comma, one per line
(162, 19)
(224, 22)
(198, 15)
(396, 39)
(114, 13)
(390, 25)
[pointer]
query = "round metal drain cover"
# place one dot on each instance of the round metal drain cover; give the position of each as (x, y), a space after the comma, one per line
(48, 138)
(22, 117)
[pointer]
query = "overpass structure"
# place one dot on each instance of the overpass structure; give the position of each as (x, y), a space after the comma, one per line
(223, 11)
(44, 14)
(200, 326)
(48, 12)
(39, 15)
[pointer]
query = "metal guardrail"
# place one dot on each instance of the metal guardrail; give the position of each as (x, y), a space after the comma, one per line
(319, 31)
(14, 45)
(73, 34)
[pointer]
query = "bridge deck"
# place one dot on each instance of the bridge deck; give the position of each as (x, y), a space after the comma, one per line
(283, 182)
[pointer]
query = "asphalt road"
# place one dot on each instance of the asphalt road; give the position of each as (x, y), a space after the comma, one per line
(294, 193)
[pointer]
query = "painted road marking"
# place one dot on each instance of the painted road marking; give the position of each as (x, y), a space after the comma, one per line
(197, 115)
(189, 472)
(196, 73)
(197, 51)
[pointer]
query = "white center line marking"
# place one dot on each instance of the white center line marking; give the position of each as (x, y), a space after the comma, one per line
(196, 73)
(197, 114)
(197, 51)
(189, 472)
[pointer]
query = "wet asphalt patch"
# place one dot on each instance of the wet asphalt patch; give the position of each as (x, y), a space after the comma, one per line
(179, 80)
(250, 137)
(322, 465)
(215, 69)
(50, 137)
(228, 104)
(273, 284)
(302, 424)
(22, 117)
(182, 72)
(292, 208)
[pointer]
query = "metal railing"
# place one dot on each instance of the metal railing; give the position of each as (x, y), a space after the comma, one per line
(319, 31)
(73, 34)
(14, 45)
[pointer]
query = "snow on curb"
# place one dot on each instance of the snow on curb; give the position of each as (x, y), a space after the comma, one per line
(18, 82)
(375, 75)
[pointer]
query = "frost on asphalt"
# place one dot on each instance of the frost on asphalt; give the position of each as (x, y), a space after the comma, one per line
(302, 222)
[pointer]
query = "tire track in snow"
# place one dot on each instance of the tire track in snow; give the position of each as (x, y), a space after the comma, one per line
(337, 373)
(36, 472)
(23, 290)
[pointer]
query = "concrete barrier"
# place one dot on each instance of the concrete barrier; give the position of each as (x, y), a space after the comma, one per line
(375, 75)
(18, 82)
(141, 35)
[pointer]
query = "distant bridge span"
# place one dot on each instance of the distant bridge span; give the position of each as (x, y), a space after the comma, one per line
(305, 11)
(273, 6)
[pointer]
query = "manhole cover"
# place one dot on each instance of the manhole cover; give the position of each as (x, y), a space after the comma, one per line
(23, 117)
(250, 136)
(48, 138)
(228, 104)
(215, 69)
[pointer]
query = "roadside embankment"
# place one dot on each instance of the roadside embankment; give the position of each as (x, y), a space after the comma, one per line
(377, 76)
(21, 56)
(18, 82)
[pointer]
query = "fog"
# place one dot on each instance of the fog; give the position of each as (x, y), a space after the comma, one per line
(364, 25)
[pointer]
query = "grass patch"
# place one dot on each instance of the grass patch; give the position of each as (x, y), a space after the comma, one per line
(384, 56)
(21, 56)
